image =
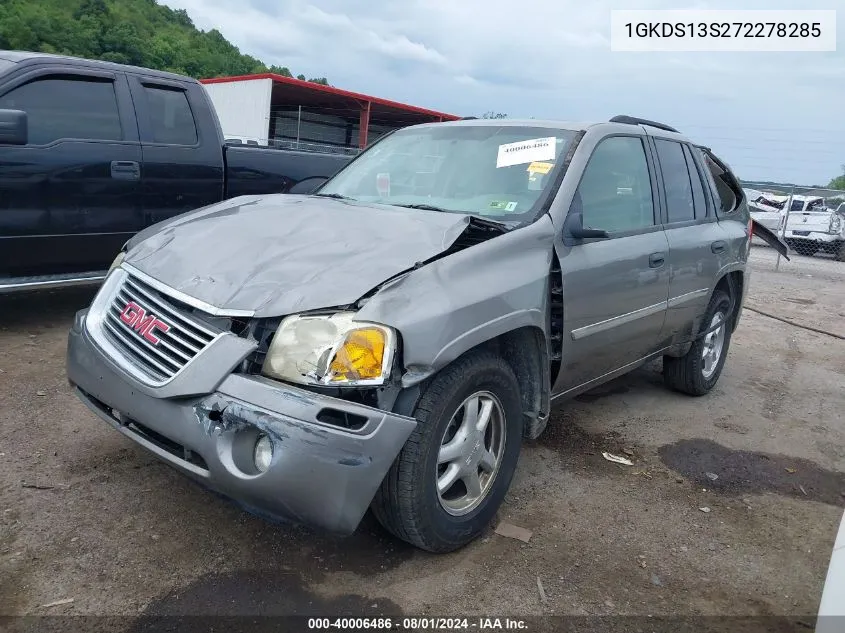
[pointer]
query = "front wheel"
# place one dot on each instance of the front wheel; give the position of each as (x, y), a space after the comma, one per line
(454, 471)
(697, 372)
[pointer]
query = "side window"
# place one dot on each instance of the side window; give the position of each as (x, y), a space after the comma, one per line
(725, 196)
(170, 116)
(676, 179)
(67, 108)
(615, 189)
(698, 197)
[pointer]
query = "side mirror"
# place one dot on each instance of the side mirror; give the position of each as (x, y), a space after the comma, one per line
(574, 226)
(309, 185)
(13, 127)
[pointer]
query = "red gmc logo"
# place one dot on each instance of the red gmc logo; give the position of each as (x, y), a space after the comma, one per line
(145, 324)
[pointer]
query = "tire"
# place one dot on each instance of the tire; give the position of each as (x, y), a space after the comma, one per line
(690, 373)
(408, 503)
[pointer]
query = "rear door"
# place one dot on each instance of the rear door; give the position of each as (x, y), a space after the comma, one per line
(182, 165)
(698, 246)
(69, 199)
(614, 288)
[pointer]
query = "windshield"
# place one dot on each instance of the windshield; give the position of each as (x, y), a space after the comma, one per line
(497, 172)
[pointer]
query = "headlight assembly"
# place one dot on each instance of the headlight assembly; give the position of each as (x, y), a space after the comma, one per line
(330, 350)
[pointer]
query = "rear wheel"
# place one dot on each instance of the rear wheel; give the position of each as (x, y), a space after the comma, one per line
(453, 473)
(697, 372)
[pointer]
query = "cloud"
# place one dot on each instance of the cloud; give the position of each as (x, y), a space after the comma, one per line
(552, 59)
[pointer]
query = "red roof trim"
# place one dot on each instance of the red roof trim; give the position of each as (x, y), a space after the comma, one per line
(338, 92)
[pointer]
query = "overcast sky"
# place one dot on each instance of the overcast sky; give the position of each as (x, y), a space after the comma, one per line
(772, 116)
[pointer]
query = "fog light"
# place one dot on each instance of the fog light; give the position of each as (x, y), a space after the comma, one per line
(263, 453)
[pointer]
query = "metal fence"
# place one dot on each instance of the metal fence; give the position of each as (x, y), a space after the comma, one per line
(810, 220)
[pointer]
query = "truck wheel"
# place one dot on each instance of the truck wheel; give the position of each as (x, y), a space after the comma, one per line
(696, 372)
(454, 471)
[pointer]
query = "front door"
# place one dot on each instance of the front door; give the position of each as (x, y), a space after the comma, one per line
(614, 288)
(71, 196)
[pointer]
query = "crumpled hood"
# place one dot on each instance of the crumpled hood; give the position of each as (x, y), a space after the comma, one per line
(280, 254)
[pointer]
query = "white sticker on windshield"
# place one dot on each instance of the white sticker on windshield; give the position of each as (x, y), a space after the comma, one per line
(535, 149)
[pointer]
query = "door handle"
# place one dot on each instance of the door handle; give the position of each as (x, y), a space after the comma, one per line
(718, 246)
(655, 260)
(125, 170)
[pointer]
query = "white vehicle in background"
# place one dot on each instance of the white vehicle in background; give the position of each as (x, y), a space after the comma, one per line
(766, 208)
(832, 606)
(814, 228)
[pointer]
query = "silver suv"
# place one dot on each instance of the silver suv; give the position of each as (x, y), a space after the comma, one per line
(389, 341)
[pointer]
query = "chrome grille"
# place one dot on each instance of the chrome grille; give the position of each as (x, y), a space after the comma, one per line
(176, 347)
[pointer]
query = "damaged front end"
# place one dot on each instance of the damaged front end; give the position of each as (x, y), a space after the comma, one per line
(279, 451)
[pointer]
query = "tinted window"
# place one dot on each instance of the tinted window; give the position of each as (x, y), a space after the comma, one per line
(65, 108)
(170, 116)
(726, 196)
(697, 185)
(679, 199)
(615, 190)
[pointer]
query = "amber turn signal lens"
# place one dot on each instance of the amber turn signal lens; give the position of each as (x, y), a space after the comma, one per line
(360, 357)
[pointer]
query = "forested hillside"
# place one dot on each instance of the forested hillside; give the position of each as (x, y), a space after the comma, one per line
(139, 32)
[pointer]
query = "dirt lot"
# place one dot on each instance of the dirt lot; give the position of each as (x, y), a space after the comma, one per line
(86, 515)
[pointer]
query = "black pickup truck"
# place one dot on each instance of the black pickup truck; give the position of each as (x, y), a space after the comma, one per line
(92, 152)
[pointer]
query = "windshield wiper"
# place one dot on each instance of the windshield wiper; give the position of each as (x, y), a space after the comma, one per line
(423, 207)
(335, 196)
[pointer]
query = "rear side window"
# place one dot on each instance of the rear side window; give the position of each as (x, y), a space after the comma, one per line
(680, 201)
(67, 108)
(170, 116)
(697, 185)
(726, 196)
(615, 191)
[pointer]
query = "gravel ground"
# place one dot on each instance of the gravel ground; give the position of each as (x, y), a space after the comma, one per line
(85, 514)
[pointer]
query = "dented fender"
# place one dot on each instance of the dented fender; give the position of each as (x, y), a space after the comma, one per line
(453, 304)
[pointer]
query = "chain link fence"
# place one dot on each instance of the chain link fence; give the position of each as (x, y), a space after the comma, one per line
(810, 220)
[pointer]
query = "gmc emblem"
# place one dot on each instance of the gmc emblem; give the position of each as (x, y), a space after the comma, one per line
(145, 324)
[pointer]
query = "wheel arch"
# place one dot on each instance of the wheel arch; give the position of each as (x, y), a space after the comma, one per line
(733, 282)
(525, 350)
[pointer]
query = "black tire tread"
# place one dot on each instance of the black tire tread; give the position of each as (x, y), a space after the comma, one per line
(683, 374)
(393, 504)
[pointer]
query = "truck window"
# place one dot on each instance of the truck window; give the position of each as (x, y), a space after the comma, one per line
(170, 116)
(615, 190)
(67, 108)
(676, 179)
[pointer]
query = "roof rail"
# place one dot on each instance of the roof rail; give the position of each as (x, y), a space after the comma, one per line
(632, 120)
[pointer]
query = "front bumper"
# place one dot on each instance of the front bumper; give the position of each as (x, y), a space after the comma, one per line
(320, 474)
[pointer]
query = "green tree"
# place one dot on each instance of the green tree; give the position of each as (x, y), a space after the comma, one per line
(839, 181)
(494, 115)
(140, 32)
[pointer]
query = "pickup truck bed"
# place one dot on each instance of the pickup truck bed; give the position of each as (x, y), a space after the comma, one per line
(93, 152)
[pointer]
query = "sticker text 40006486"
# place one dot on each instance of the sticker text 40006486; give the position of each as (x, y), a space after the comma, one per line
(521, 152)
